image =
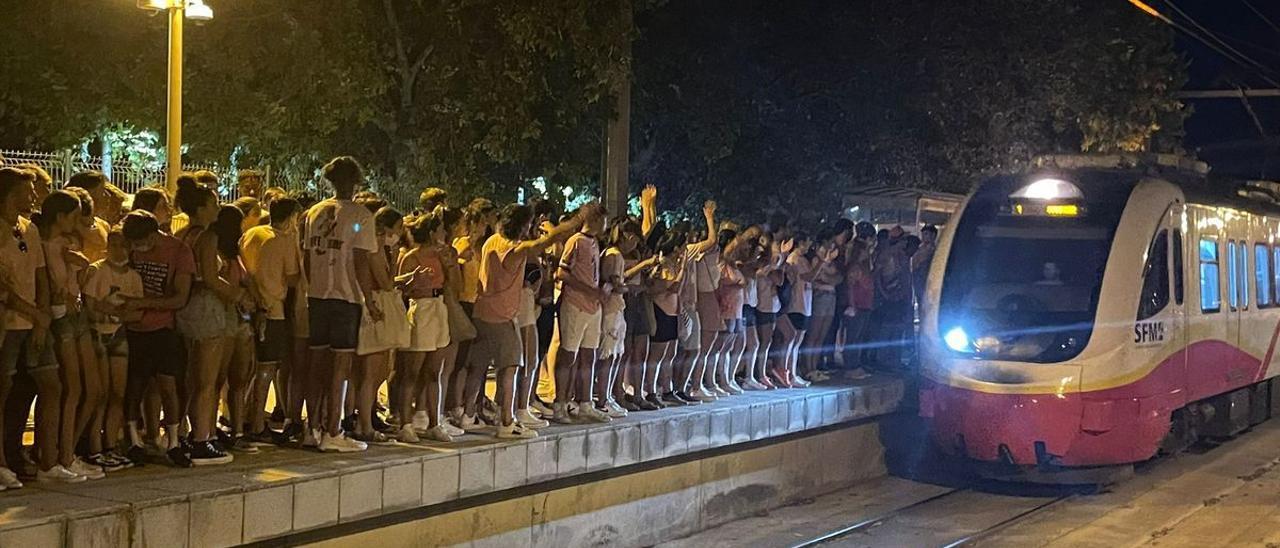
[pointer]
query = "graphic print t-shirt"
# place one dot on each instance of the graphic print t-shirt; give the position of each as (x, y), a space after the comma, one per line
(335, 229)
(158, 267)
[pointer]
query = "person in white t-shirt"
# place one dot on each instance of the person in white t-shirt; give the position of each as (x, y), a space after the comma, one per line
(109, 284)
(339, 238)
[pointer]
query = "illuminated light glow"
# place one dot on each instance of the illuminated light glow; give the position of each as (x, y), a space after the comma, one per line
(957, 339)
(1017, 209)
(1049, 189)
(356, 227)
(153, 4)
(1062, 210)
(197, 10)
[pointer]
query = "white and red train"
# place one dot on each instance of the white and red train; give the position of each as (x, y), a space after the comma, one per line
(1098, 311)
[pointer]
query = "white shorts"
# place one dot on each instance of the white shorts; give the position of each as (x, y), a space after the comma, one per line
(578, 329)
(428, 324)
(389, 334)
(528, 314)
(690, 330)
(613, 333)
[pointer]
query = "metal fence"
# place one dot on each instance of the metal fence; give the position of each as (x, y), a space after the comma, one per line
(130, 177)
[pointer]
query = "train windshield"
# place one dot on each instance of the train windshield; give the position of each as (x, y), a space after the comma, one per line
(1022, 279)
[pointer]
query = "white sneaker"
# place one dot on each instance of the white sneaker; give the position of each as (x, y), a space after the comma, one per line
(449, 428)
(514, 431)
(798, 382)
(8, 479)
(541, 409)
(733, 389)
(341, 444)
(470, 423)
(59, 474)
(439, 433)
(751, 384)
(311, 438)
(527, 419)
(614, 410)
(560, 413)
(702, 395)
(407, 434)
(420, 421)
(589, 414)
(87, 470)
(718, 392)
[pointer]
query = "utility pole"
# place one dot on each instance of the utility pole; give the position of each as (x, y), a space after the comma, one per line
(617, 146)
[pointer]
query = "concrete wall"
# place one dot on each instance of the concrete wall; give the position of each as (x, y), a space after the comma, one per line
(654, 505)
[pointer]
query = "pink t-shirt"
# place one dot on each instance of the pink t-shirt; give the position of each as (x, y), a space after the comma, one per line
(158, 267)
(501, 278)
(731, 291)
(582, 259)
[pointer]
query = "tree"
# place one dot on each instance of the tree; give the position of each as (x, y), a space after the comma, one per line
(803, 101)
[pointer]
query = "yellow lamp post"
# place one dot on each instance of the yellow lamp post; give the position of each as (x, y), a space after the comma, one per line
(177, 10)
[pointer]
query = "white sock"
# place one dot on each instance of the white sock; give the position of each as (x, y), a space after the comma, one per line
(132, 430)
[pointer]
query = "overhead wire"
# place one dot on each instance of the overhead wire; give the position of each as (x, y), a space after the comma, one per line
(1183, 29)
(1218, 39)
(1260, 15)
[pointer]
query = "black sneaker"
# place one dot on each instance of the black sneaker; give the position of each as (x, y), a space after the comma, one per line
(292, 433)
(349, 422)
(277, 415)
(650, 403)
(222, 438)
(136, 453)
(688, 400)
(206, 453)
(672, 400)
(381, 425)
(178, 457)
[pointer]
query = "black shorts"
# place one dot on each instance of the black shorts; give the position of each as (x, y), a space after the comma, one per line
(765, 318)
(546, 326)
(666, 327)
(273, 341)
(749, 315)
(159, 352)
(799, 321)
(335, 324)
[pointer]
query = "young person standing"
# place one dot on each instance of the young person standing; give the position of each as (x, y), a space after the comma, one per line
(339, 238)
(578, 323)
(498, 343)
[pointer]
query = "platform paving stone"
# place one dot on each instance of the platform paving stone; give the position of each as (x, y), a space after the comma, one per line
(283, 490)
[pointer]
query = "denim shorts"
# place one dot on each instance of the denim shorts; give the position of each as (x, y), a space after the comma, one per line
(111, 345)
(70, 326)
(17, 351)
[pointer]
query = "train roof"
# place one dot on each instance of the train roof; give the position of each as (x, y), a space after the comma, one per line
(1198, 184)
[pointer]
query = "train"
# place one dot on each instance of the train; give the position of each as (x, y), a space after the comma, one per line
(1093, 312)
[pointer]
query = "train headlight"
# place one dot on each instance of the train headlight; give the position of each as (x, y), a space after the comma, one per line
(957, 340)
(1049, 189)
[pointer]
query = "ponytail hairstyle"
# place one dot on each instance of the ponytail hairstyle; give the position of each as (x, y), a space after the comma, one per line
(57, 203)
(227, 228)
(426, 224)
(192, 195)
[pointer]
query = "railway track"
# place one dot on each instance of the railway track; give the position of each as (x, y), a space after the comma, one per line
(924, 522)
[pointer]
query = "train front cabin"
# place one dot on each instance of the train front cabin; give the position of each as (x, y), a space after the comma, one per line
(1096, 311)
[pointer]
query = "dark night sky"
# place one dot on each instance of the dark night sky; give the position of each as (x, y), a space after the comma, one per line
(1221, 129)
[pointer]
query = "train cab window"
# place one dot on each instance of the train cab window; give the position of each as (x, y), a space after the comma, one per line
(1233, 276)
(1177, 266)
(1262, 274)
(1155, 278)
(1242, 275)
(1210, 289)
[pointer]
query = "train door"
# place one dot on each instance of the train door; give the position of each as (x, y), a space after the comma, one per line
(1159, 334)
(1211, 322)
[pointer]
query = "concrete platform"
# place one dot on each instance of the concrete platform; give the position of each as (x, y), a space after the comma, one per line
(287, 495)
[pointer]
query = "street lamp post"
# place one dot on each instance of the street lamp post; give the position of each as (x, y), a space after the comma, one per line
(178, 11)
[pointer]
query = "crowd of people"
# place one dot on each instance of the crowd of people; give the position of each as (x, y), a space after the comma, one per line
(158, 327)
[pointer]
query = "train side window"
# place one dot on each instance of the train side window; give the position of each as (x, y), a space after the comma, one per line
(1233, 291)
(1177, 266)
(1155, 278)
(1275, 273)
(1262, 274)
(1242, 274)
(1210, 288)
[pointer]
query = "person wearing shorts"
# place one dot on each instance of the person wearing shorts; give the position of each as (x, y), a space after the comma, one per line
(498, 344)
(271, 255)
(167, 267)
(580, 295)
(338, 239)
(696, 339)
(109, 284)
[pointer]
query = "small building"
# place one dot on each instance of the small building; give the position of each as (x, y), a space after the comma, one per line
(886, 206)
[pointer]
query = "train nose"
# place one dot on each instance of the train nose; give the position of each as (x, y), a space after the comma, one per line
(1017, 429)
